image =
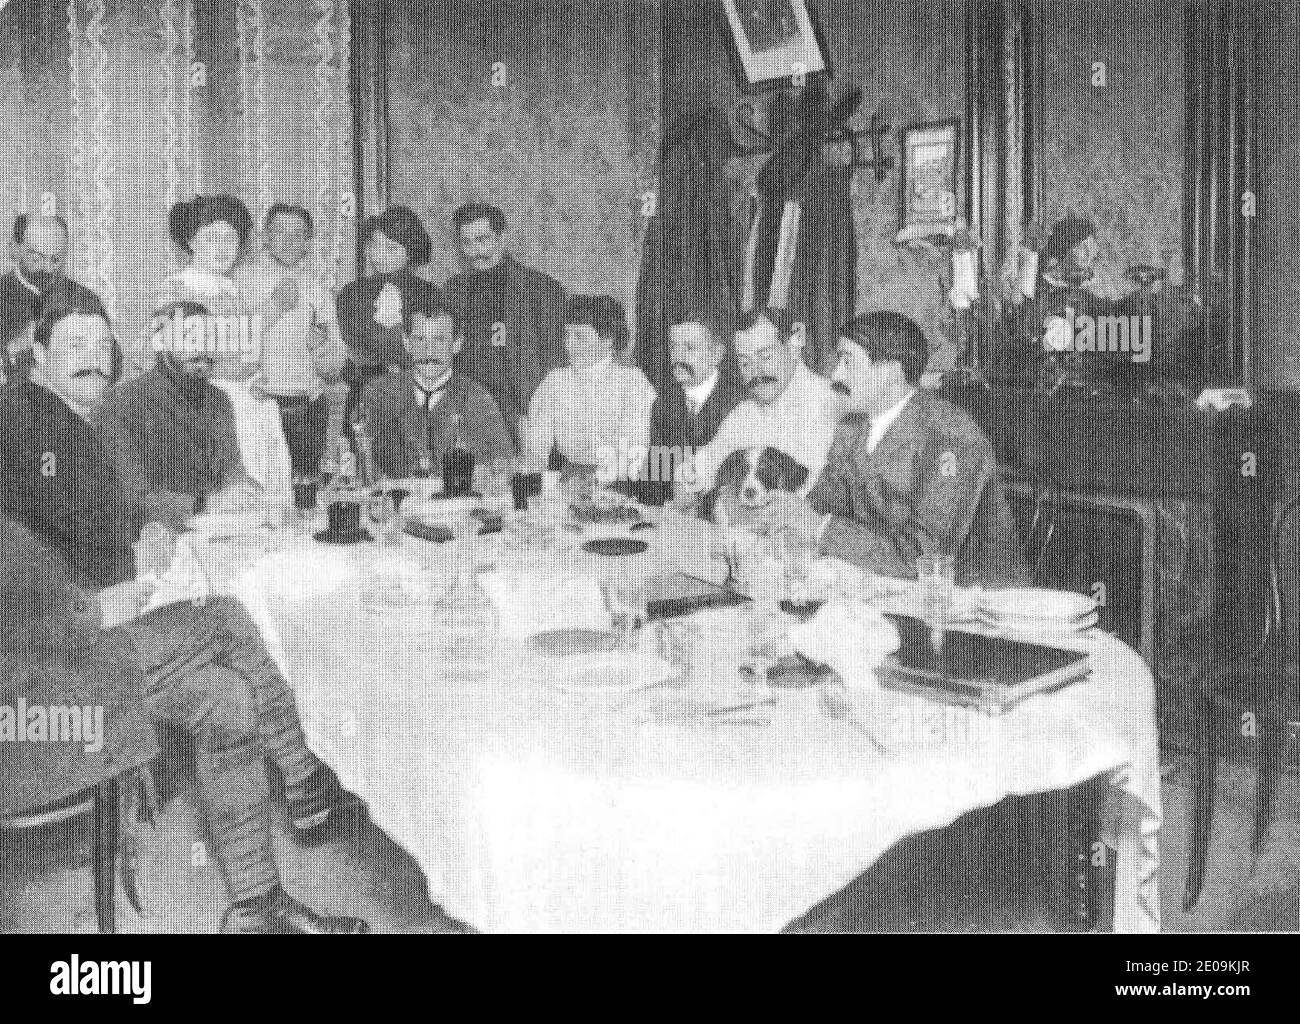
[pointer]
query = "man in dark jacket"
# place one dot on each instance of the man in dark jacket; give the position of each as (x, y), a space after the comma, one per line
(416, 416)
(205, 666)
(907, 473)
(687, 412)
(512, 316)
(39, 250)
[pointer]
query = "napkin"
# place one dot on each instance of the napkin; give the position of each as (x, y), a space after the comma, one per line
(849, 636)
(184, 580)
(531, 603)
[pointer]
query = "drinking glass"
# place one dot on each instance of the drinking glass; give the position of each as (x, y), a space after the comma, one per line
(934, 574)
(627, 602)
(764, 639)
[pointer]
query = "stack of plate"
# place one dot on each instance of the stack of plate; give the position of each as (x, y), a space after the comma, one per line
(1037, 613)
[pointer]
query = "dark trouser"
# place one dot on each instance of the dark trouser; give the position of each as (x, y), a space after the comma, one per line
(305, 423)
(207, 670)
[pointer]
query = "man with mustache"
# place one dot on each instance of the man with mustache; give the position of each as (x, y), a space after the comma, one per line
(512, 315)
(418, 415)
(687, 413)
(787, 406)
(173, 437)
(908, 474)
(39, 250)
(201, 666)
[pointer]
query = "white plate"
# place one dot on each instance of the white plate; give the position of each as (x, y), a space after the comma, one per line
(1057, 605)
(597, 675)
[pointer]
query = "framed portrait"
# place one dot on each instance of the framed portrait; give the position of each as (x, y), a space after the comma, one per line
(775, 42)
(929, 189)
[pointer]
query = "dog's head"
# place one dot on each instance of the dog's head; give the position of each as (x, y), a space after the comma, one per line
(748, 477)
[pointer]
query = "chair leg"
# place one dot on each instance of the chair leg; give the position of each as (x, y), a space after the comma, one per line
(1207, 764)
(1272, 744)
(104, 854)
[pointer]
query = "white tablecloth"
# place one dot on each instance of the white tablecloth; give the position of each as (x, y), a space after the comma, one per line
(530, 810)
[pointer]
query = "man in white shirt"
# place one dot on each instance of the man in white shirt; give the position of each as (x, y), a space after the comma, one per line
(595, 412)
(302, 350)
(908, 473)
(787, 407)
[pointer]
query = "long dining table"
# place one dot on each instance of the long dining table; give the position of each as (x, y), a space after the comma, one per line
(532, 807)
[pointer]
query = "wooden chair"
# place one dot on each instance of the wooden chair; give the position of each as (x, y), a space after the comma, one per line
(1257, 684)
(103, 802)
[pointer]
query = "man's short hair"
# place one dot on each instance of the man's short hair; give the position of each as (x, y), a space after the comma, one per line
(602, 313)
(470, 212)
(59, 310)
(719, 328)
(403, 226)
(289, 210)
(778, 318)
(891, 337)
(187, 219)
(23, 219)
(432, 307)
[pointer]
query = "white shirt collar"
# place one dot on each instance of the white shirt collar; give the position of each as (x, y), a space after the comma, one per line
(595, 369)
(424, 392)
(880, 424)
(18, 273)
(700, 393)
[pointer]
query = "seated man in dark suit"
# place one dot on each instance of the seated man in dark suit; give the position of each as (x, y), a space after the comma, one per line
(907, 474)
(172, 436)
(39, 250)
(204, 664)
(416, 416)
(688, 412)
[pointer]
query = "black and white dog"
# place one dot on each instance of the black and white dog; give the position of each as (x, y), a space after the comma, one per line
(746, 481)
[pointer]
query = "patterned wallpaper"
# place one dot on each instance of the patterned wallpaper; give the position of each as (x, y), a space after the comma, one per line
(133, 104)
(1114, 152)
(552, 116)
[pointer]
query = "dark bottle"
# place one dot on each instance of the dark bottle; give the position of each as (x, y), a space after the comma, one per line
(457, 467)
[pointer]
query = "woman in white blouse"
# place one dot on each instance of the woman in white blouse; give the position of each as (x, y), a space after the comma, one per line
(212, 232)
(596, 411)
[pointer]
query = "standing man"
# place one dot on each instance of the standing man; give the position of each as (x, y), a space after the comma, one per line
(688, 411)
(302, 350)
(512, 315)
(39, 249)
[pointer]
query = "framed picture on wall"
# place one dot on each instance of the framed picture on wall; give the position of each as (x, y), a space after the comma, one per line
(776, 42)
(929, 186)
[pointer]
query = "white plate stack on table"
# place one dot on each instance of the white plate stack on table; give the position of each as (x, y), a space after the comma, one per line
(1041, 615)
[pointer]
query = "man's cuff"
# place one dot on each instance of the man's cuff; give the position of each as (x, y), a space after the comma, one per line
(821, 530)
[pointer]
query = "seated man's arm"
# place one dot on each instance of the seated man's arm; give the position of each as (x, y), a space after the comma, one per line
(935, 518)
(385, 426)
(120, 438)
(492, 436)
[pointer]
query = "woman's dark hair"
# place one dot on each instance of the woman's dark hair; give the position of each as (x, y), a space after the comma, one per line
(187, 218)
(603, 313)
(403, 226)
